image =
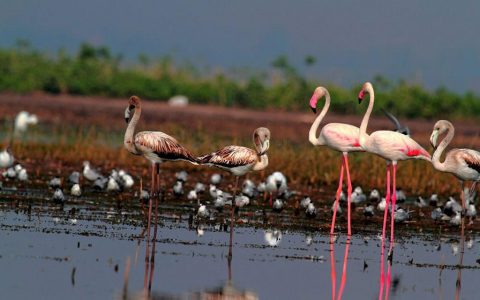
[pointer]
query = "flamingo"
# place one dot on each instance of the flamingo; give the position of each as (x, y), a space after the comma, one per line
(240, 160)
(337, 136)
(157, 147)
(392, 146)
(462, 163)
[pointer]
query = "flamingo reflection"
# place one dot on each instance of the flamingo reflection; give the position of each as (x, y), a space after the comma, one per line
(343, 279)
(458, 284)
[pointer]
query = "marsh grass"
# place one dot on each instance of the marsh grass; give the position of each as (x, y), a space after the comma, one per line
(58, 150)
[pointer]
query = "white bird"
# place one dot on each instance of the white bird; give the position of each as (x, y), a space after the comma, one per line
(241, 201)
(199, 187)
(215, 179)
(181, 176)
(401, 215)
(126, 179)
(22, 120)
(6, 158)
(90, 173)
(401, 197)
(382, 204)
(112, 185)
(58, 196)
(420, 202)
(437, 214)
(369, 211)
(358, 196)
(22, 175)
(10, 173)
(339, 208)
(192, 195)
(310, 211)
(277, 205)
(76, 190)
(219, 203)
(261, 187)
(273, 237)
(55, 183)
(178, 189)
(433, 200)
(374, 196)
(456, 220)
(214, 192)
(74, 177)
(100, 183)
(202, 211)
(452, 207)
(305, 202)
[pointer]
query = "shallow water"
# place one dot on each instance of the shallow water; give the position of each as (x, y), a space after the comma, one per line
(50, 253)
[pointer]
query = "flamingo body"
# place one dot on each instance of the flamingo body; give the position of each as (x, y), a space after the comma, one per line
(340, 137)
(394, 146)
(237, 160)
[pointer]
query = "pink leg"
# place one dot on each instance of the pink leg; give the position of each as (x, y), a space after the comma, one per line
(394, 200)
(332, 267)
(337, 199)
(389, 280)
(349, 192)
(385, 214)
(344, 271)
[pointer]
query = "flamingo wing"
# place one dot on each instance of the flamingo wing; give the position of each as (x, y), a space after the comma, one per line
(471, 158)
(163, 145)
(230, 156)
(396, 146)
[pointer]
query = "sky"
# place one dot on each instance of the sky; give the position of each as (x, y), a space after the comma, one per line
(435, 43)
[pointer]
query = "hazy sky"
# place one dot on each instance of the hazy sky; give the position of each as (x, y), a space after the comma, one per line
(432, 42)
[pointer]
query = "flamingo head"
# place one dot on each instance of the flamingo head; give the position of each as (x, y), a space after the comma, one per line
(439, 128)
(317, 94)
(366, 87)
(133, 102)
(261, 139)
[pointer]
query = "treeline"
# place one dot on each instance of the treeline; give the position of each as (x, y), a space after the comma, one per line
(96, 71)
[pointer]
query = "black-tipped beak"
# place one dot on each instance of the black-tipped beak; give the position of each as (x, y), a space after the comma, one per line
(127, 120)
(360, 100)
(314, 109)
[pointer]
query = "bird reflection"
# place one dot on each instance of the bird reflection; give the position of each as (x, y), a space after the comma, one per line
(458, 284)
(343, 279)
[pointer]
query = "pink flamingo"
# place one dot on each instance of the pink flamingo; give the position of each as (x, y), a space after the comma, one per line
(463, 163)
(392, 146)
(338, 136)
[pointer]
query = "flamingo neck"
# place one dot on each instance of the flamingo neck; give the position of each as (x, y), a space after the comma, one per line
(441, 147)
(312, 135)
(128, 140)
(261, 164)
(363, 127)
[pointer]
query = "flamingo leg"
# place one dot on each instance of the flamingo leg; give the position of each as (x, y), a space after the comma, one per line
(332, 267)
(462, 196)
(157, 171)
(349, 191)
(337, 198)
(472, 188)
(344, 271)
(152, 191)
(232, 219)
(385, 214)
(389, 280)
(392, 221)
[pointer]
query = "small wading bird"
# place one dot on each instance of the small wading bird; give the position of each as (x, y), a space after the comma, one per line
(157, 147)
(240, 160)
(463, 163)
(392, 146)
(337, 136)
(398, 126)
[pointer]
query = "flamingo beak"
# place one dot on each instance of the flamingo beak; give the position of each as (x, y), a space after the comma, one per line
(265, 146)
(313, 103)
(360, 96)
(127, 114)
(433, 138)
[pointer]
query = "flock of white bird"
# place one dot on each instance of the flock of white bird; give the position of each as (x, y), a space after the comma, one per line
(274, 188)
